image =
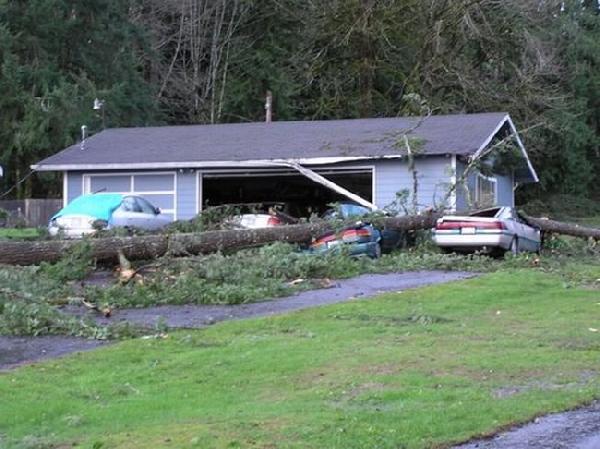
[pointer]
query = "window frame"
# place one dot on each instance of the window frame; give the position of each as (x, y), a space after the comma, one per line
(494, 182)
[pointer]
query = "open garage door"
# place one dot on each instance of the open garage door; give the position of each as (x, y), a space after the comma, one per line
(301, 196)
(158, 188)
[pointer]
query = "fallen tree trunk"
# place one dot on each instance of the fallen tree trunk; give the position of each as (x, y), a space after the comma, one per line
(560, 227)
(153, 246)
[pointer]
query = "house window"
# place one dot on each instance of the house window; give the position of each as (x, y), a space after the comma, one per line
(487, 190)
(159, 188)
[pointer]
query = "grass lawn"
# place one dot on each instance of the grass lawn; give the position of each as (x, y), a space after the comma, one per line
(19, 234)
(413, 369)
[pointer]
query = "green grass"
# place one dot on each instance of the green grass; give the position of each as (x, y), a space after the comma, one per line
(415, 369)
(19, 233)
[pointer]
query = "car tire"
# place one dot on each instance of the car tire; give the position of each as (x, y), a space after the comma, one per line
(514, 246)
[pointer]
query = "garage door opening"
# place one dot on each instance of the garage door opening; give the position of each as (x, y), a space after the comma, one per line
(301, 196)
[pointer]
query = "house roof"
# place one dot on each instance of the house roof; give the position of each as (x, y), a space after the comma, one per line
(309, 142)
(443, 134)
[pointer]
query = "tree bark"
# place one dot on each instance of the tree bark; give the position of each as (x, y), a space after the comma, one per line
(153, 246)
(560, 227)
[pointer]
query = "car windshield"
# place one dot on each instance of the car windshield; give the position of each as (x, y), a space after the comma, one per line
(487, 213)
(346, 210)
(130, 205)
(146, 207)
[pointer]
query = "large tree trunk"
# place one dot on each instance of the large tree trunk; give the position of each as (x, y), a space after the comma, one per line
(153, 246)
(560, 227)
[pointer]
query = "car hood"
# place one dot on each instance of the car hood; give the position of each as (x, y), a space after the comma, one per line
(100, 206)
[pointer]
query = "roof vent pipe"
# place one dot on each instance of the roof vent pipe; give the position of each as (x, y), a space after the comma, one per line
(269, 107)
(83, 136)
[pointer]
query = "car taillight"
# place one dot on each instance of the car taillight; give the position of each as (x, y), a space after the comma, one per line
(491, 225)
(326, 238)
(273, 221)
(452, 225)
(350, 233)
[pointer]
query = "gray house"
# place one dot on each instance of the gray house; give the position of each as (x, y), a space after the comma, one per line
(181, 169)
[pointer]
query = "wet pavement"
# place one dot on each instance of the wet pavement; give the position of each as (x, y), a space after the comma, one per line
(16, 351)
(196, 316)
(575, 429)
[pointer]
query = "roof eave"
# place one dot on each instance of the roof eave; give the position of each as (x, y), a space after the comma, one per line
(513, 128)
(206, 164)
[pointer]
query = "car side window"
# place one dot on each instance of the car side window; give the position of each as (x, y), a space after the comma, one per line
(130, 204)
(145, 206)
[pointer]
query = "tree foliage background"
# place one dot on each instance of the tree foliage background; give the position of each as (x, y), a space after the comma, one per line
(207, 61)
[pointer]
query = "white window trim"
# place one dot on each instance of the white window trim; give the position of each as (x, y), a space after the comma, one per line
(491, 179)
(453, 182)
(86, 186)
(233, 172)
(65, 188)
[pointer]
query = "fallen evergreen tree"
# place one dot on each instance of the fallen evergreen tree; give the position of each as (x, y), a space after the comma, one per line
(152, 246)
(182, 244)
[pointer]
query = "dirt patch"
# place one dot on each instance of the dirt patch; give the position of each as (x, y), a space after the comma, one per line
(576, 429)
(585, 378)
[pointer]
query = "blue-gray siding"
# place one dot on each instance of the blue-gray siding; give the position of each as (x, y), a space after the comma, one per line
(74, 185)
(434, 177)
(186, 195)
(393, 176)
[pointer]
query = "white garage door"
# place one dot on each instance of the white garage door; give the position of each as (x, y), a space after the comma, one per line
(158, 188)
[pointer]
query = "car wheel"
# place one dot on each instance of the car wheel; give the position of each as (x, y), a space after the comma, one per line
(514, 246)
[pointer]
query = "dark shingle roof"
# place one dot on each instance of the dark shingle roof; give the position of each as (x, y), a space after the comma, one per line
(444, 134)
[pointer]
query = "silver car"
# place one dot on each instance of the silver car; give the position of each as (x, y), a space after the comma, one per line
(498, 229)
(89, 213)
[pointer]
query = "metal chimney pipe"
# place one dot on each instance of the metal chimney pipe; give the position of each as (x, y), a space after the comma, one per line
(83, 136)
(269, 107)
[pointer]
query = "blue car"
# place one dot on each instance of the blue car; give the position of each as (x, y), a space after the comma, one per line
(360, 239)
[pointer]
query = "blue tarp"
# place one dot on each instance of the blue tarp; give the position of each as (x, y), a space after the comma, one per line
(99, 205)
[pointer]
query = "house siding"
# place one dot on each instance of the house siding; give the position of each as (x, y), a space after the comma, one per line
(393, 176)
(186, 195)
(434, 176)
(74, 185)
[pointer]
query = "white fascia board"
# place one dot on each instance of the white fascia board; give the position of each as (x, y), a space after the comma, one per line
(489, 139)
(207, 164)
(513, 128)
(523, 150)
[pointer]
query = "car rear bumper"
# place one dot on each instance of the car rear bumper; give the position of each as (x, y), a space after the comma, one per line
(70, 233)
(479, 240)
(352, 249)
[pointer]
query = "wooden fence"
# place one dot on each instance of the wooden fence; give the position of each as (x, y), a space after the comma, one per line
(31, 212)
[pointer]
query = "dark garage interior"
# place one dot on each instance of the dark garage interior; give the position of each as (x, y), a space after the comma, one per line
(300, 195)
